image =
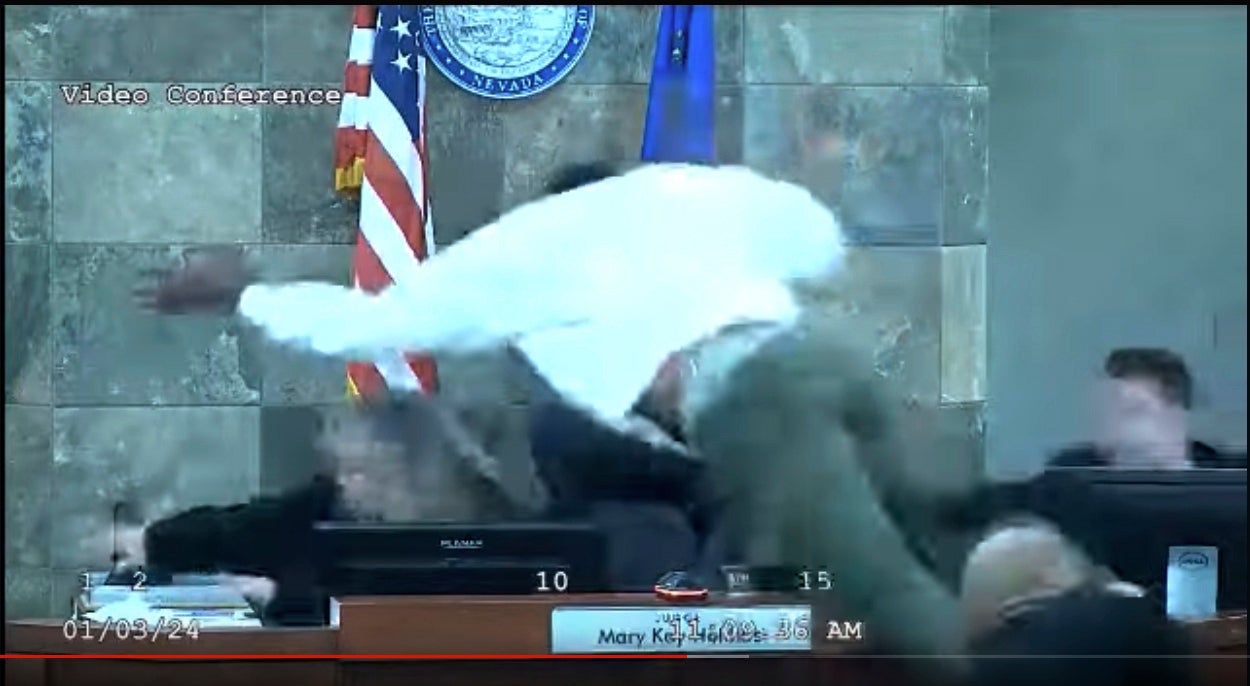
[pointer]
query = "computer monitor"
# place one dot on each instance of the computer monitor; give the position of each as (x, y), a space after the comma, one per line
(460, 559)
(1128, 519)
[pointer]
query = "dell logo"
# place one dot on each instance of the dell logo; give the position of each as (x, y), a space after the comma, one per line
(1192, 561)
(460, 544)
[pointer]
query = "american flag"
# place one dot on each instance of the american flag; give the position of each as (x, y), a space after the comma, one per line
(380, 155)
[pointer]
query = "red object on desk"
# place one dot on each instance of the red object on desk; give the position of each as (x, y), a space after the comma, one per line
(679, 587)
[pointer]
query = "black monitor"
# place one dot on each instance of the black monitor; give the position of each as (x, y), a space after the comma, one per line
(1128, 519)
(460, 559)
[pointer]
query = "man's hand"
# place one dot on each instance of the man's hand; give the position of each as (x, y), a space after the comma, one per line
(661, 402)
(130, 550)
(255, 589)
(209, 281)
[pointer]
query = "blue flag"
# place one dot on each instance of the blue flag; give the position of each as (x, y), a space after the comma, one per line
(681, 103)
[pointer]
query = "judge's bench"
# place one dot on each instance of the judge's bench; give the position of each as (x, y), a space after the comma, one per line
(521, 640)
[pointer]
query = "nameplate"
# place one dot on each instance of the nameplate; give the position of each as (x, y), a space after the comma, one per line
(761, 629)
(1192, 582)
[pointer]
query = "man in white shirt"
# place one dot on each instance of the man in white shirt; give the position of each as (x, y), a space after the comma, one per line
(599, 286)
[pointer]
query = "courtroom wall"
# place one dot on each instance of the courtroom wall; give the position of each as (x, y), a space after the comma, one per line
(880, 110)
(1119, 206)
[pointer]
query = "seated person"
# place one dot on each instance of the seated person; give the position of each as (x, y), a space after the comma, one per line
(641, 487)
(400, 461)
(1027, 591)
(1144, 416)
(581, 459)
(1143, 424)
(643, 473)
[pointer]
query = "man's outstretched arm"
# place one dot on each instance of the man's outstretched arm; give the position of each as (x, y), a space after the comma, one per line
(257, 538)
(219, 282)
(335, 320)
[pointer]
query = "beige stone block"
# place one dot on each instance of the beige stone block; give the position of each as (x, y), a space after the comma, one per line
(963, 377)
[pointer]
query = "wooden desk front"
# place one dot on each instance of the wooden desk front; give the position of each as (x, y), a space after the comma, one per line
(517, 626)
(47, 637)
(522, 626)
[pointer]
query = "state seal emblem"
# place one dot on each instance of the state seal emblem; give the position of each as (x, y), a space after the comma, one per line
(505, 51)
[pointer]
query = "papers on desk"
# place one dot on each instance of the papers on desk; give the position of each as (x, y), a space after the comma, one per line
(1192, 581)
(215, 596)
(136, 609)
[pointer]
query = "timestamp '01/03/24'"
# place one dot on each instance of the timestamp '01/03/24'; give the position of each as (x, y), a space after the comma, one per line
(163, 629)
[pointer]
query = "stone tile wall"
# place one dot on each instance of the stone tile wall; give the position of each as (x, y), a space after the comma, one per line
(880, 110)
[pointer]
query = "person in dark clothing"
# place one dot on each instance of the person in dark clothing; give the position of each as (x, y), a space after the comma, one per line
(1039, 611)
(645, 494)
(801, 434)
(578, 444)
(400, 461)
(581, 460)
(409, 461)
(645, 540)
(1147, 394)
(576, 458)
(1083, 638)
(642, 487)
(1145, 402)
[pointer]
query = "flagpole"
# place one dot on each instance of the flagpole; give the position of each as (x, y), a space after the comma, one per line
(681, 106)
(391, 161)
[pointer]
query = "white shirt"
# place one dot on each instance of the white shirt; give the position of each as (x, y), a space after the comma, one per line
(596, 287)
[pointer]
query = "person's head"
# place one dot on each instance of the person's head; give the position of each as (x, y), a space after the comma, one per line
(1033, 597)
(1085, 639)
(1019, 559)
(1145, 399)
(573, 176)
(406, 459)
